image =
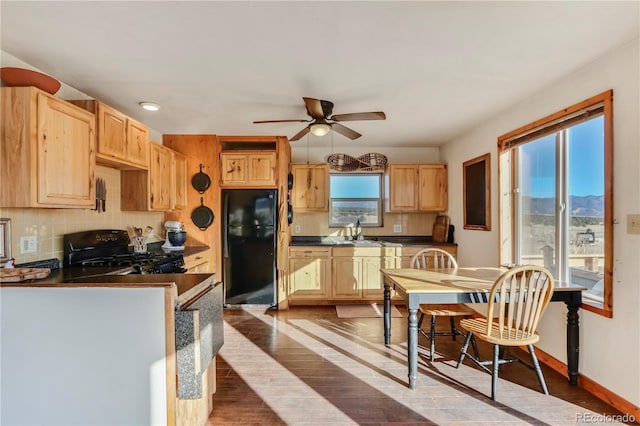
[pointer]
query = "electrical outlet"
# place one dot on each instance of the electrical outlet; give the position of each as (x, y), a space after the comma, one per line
(28, 244)
(397, 228)
(633, 224)
(297, 229)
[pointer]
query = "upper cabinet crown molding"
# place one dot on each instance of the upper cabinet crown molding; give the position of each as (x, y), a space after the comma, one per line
(41, 136)
(417, 187)
(123, 143)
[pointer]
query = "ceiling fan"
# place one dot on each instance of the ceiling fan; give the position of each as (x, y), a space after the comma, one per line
(322, 121)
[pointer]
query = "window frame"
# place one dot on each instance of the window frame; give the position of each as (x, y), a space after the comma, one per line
(601, 104)
(379, 200)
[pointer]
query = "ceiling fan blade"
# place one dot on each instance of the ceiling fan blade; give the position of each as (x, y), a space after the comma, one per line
(281, 121)
(327, 108)
(345, 131)
(300, 134)
(314, 107)
(378, 115)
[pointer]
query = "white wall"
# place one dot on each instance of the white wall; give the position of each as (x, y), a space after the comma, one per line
(83, 356)
(609, 347)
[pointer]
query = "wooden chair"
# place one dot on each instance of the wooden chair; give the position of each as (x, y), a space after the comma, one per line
(520, 297)
(435, 258)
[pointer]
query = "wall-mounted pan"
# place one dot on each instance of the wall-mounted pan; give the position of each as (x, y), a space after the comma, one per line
(202, 216)
(201, 181)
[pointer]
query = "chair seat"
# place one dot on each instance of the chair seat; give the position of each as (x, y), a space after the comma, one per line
(445, 310)
(478, 326)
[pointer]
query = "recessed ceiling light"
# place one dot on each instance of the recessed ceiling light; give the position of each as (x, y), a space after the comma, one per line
(149, 106)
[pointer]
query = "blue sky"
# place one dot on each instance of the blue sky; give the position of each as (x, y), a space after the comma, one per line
(586, 165)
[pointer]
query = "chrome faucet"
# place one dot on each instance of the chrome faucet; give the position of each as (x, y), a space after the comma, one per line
(358, 235)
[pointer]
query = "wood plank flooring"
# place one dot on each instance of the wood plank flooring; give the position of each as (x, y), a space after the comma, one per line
(305, 366)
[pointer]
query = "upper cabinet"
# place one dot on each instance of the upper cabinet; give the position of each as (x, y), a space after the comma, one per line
(179, 181)
(162, 188)
(310, 187)
(417, 187)
(47, 151)
(248, 169)
(122, 142)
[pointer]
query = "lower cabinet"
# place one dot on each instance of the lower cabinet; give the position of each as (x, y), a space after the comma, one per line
(309, 272)
(329, 274)
(198, 263)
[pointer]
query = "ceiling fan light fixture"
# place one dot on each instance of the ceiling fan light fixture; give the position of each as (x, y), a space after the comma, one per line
(320, 129)
(149, 106)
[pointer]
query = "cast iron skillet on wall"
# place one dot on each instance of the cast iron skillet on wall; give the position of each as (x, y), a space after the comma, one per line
(202, 216)
(201, 181)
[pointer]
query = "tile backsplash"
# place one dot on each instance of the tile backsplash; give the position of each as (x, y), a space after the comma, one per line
(49, 225)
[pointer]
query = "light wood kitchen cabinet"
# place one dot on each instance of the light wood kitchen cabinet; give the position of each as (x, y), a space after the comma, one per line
(346, 277)
(179, 181)
(122, 142)
(309, 272)
(417, 187)
(254, 169)
(47, 151)
(153, 189)
(310, 187)
(372, 282)
(198, 263)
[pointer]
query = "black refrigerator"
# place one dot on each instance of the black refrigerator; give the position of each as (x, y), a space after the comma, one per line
(249, 246)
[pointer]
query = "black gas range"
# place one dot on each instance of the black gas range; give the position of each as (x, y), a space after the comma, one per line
(108, 252)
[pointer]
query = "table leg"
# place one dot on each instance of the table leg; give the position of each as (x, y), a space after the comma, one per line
(573, 340)
(412, 347)
(387, 314)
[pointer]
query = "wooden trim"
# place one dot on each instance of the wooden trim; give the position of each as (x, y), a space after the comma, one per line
(170, 295)
(604, 97)
(589, 385)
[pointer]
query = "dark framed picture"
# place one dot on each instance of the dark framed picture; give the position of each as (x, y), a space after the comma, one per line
(476, 181)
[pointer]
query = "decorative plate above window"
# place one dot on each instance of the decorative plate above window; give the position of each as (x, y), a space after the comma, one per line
(371, 162)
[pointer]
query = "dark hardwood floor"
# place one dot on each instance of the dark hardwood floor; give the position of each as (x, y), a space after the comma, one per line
(305, 366)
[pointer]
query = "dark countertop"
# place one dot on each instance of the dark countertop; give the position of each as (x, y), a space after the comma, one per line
(394, 241)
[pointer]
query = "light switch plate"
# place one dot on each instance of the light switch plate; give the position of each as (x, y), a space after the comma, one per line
(297, 229)
(397, 228)
(633, 224)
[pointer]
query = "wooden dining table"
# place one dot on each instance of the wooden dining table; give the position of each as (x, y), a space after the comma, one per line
(464, 285)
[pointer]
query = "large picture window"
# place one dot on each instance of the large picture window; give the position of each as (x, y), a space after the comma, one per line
(556, 207)
(355, 197)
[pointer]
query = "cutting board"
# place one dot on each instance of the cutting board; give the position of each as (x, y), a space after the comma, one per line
(23, 274)
(441, 229)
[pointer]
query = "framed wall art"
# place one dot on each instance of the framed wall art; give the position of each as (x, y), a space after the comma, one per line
(5, 240)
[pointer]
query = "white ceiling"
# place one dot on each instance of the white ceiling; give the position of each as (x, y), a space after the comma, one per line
(437, 69)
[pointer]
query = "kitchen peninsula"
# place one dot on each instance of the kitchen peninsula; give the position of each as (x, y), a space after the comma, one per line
(132, 349)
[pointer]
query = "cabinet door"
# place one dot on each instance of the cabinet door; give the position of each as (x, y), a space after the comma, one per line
(112, 132)
(66, 153)
(137, 146)
(160, 178)
(198, 263)
(372, 283)
(308, 278)
(233, 169)
(310, 187)
(403, 187)
(179, 181)
(433, 187)
(347, 275)
(262, 169)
